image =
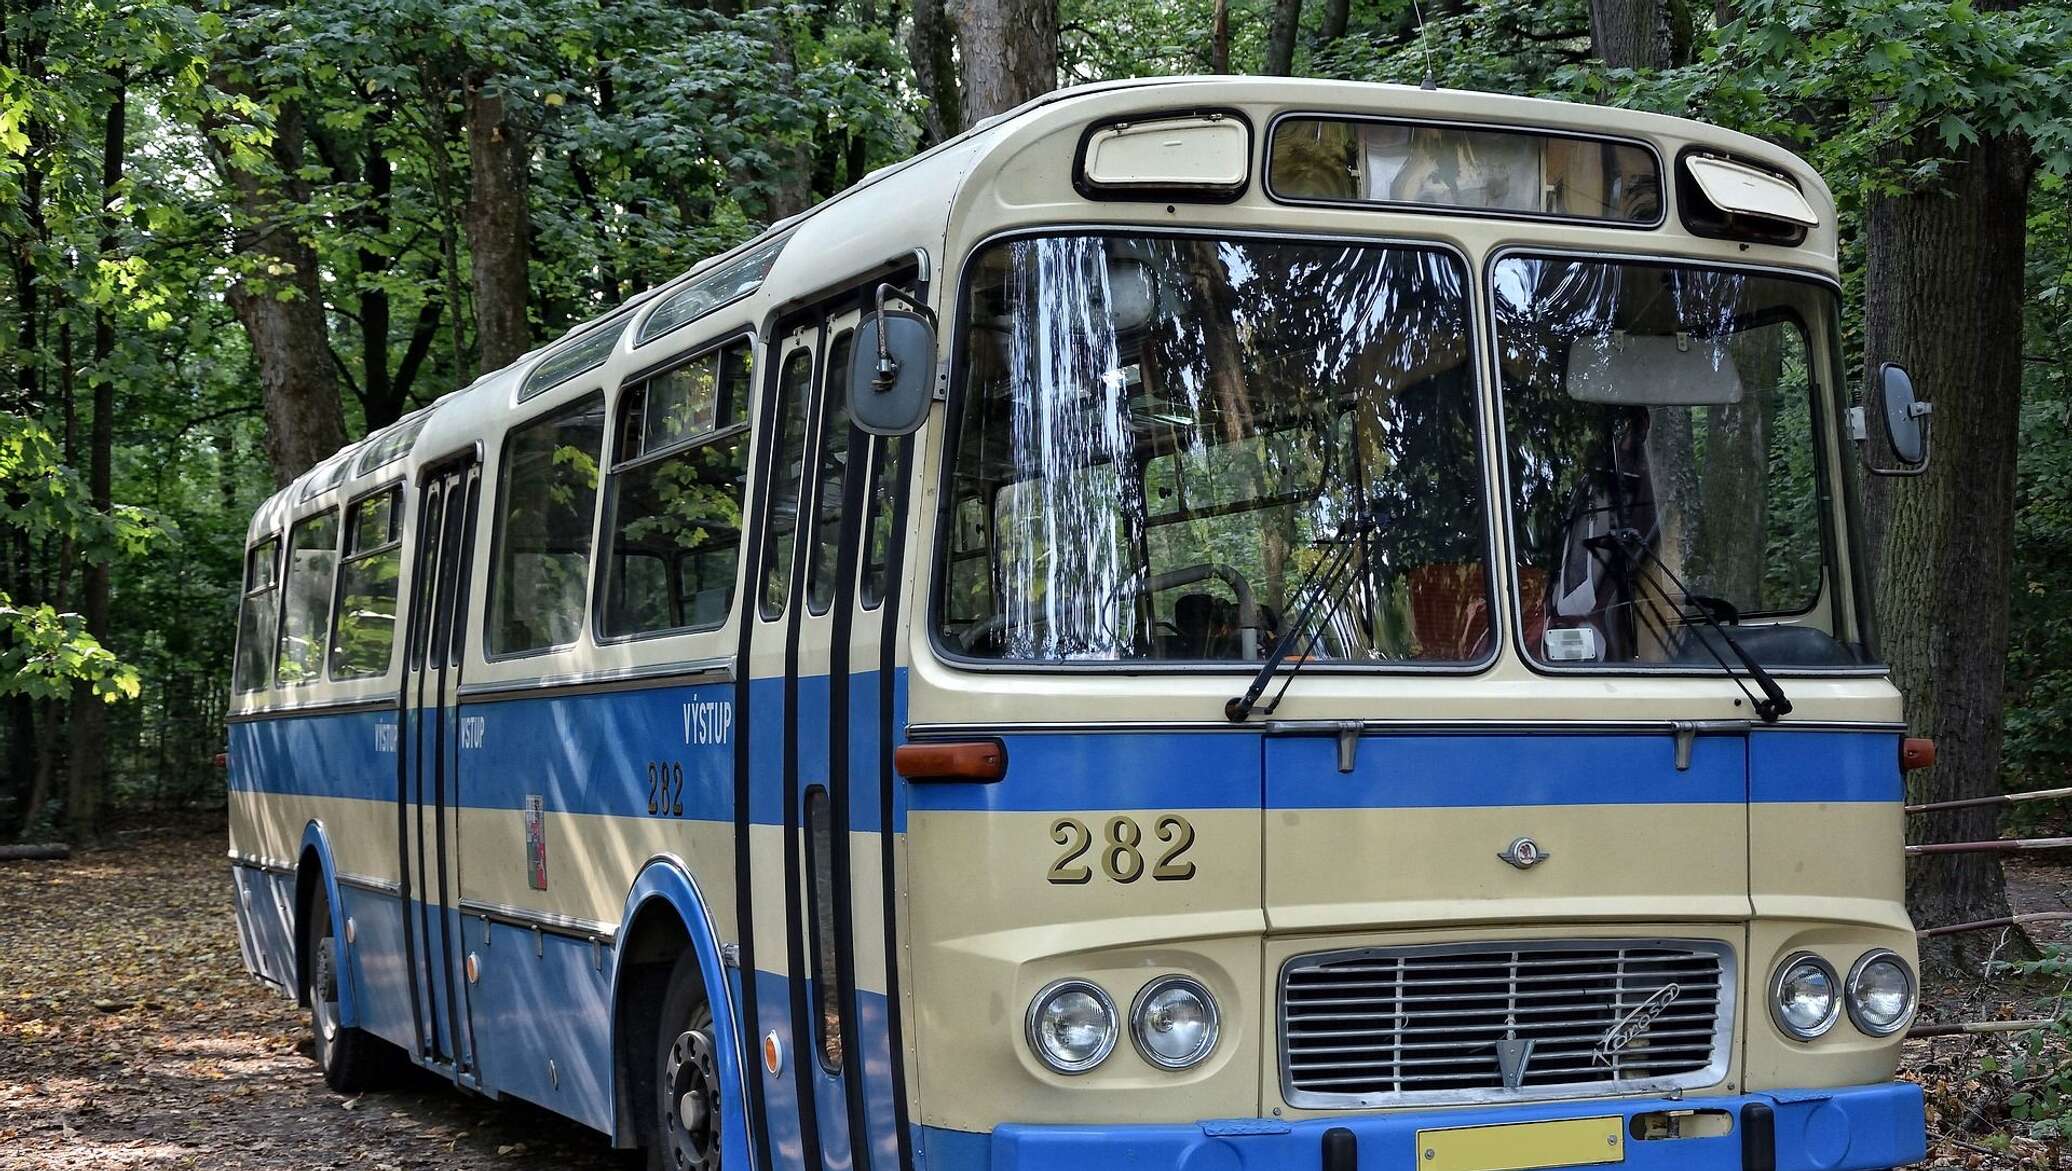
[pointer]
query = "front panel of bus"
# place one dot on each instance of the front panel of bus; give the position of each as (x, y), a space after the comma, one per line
(1517, 490)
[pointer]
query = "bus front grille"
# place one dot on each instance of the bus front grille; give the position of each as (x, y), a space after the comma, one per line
(1509, 1021)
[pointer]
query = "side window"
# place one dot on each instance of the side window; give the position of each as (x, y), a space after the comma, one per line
(364, 632)
(547, 502)
(306, 604)
(794, 389)
(970, 590)
(886, 457)
(677, 485)
(821, 872)
(834, 463)
(258, 616)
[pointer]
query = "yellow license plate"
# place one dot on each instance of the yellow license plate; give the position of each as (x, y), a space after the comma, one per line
(1523, 1146)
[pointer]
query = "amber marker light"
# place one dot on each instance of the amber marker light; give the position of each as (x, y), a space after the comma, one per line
(961, 760)
(1916, 752)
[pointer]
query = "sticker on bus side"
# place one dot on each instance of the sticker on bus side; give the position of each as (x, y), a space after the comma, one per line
(536, 841)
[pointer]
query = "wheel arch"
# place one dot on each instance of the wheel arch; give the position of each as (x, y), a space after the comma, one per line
(664, 914)
(314, 869)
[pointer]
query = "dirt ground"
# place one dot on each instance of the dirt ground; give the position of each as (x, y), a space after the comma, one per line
(130, 1037)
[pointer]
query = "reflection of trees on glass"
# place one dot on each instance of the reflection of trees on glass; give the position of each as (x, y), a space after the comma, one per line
(549, 497)
(676, 497)
(306, 599)
(794, 395)
(1163, 432)
(888, 461)
(258, 617)
(1674, 403)
(834, 466)
(366, 626)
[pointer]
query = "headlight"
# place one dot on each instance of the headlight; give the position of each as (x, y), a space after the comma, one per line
(1174, 1022)
(1072, 1025)
(1804, 999)
(1880, 993)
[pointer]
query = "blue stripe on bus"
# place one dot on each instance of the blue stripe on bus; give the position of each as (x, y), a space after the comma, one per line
(588, 753)
(1824, 766)
(585, 753)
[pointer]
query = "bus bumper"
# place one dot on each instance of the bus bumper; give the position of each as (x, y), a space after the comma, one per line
(1855, 1128)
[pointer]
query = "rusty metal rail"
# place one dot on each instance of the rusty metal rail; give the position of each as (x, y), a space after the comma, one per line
(1996, 799)
(1991, 846)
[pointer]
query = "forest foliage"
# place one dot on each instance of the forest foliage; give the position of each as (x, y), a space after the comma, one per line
(239, 233)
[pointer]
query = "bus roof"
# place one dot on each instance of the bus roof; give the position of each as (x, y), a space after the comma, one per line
(898, 206)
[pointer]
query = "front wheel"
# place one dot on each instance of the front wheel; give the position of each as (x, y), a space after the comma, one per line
(353, 1060)
(686, 1106)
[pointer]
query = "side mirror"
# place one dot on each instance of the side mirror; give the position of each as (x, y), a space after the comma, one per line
(892, 372)
(1903, 419)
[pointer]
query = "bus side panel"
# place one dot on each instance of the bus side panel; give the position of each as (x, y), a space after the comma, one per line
(337, 770)
(539, 1012)
(264, 913)
(381, 981)
(764, 741)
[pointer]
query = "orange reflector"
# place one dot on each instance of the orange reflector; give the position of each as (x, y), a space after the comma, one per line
(773, 1054)
(223, 760)
(963, 760)
(1916, 752)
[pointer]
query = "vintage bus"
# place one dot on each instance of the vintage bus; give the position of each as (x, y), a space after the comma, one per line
(1203, 623)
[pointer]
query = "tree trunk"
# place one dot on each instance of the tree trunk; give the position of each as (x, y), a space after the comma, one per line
(1943, 295)
(1336, 13)
(1280, 42)
(499, 224)
(278, 300)
(1219, 37)
(1631, 34)
(931, 48)
(89, 771)
(1010, 53)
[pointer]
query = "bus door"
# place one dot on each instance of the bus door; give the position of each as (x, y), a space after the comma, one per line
(824, 635)
(428, 794)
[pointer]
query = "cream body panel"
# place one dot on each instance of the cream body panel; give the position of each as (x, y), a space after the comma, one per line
(990, 931)
(1843, 1056)
(1365, 869)
(266, 829)
(592, 860)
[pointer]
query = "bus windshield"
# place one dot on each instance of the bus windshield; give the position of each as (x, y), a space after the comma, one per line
(1160, 439)
(1663, 463)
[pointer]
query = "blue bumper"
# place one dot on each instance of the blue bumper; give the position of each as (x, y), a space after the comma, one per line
(1857, 1128)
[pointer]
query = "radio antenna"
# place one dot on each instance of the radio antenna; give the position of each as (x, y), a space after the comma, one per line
(1424, 38)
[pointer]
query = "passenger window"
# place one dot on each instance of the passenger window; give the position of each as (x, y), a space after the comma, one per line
(794, 386)
(970, 595)
(258, 616)
(306, 611)
(820, 862)
(834, 462)
(548, 496)
(877, 544)
(677, 487)
(365, 632)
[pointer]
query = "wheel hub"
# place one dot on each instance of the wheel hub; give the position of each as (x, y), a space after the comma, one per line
(690, 1100)
(324, 995)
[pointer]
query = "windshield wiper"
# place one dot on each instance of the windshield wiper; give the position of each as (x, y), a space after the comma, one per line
(1323, 576)
(1774, 702)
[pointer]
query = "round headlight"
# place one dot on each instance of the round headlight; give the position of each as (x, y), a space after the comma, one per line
(1174, 1022)
(1072, 1025)
(1804, 997)
(1880, 993)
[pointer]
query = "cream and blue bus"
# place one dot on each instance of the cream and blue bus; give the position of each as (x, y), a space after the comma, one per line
(1203, 623)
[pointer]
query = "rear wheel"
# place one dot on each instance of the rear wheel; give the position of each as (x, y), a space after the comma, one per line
(686, 1106)
(353, 1060)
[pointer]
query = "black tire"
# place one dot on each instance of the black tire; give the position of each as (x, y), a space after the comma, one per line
(353, 1060)
(684, 1105)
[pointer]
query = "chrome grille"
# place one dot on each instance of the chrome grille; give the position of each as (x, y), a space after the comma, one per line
(1393, 1025)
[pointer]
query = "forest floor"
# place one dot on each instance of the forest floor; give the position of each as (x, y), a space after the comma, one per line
(130, 1037)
